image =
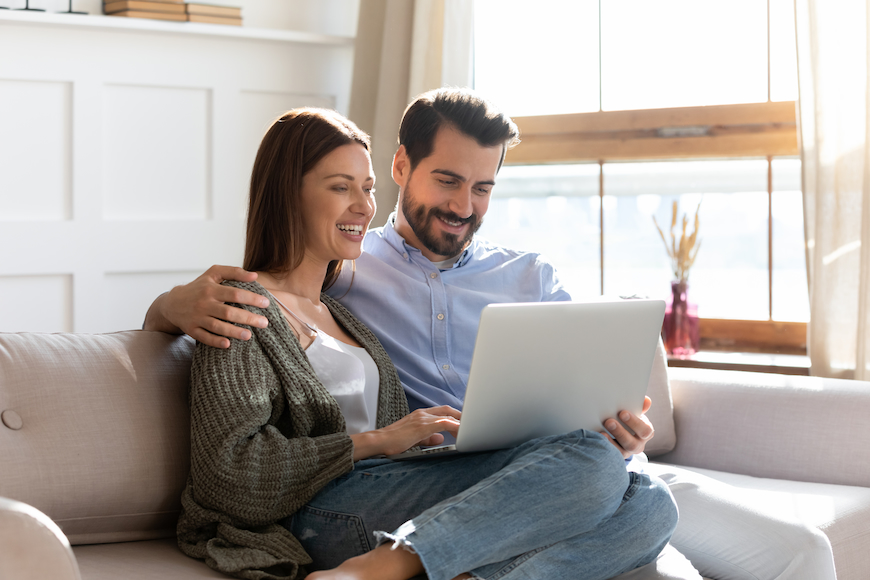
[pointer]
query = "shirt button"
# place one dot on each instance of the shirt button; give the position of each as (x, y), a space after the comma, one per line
(433, 275)
(445, 367)
(405, 255)
(440, 317)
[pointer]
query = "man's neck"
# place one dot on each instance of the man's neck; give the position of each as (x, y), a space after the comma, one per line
(448, 263)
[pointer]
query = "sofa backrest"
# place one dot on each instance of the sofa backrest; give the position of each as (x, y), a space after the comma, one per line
(95, 430)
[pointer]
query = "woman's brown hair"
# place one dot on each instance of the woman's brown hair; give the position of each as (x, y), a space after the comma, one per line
(296, 141)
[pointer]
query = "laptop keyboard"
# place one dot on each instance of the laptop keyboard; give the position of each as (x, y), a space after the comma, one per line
(431, 450)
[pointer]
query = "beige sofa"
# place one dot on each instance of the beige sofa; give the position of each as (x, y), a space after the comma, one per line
(94, 452)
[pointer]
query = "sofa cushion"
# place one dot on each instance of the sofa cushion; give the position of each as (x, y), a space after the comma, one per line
(661, 414)
(103, 445)
(148, 560)
(840, 511)
(162, 559)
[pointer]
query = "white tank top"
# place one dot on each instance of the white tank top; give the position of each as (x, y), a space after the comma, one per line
(349, 374)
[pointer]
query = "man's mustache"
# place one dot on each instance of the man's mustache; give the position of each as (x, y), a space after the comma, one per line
(452, 217)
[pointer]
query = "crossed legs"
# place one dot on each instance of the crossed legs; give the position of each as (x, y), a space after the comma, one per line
(556, 507)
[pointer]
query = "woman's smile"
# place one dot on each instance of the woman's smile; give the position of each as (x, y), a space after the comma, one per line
(353, 231)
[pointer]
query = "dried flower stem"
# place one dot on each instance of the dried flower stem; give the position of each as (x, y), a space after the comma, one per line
(682, 255)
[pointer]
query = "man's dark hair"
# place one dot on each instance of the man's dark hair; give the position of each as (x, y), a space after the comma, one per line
(462, 109)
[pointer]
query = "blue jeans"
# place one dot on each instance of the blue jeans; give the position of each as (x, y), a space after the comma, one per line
(552, 508)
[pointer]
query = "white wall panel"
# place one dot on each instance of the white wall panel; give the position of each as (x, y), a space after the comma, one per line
(159, 124)
(35, 150)
(156, 153)
(127, 296)
(36, 303)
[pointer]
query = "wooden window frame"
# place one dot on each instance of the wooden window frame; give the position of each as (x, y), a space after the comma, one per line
(765, 130)
(720, 131)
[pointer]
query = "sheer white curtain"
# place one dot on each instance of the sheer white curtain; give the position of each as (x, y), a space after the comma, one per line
(403, 48)
(834, 102)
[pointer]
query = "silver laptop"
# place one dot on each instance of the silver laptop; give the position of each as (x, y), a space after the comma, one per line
(549, 368)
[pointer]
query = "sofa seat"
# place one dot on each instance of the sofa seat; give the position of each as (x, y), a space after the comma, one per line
(147, 560)
(840, 511)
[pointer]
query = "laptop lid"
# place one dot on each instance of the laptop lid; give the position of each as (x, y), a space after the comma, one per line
(547, 368)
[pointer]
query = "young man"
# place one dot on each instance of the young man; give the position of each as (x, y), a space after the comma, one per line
(421, 284)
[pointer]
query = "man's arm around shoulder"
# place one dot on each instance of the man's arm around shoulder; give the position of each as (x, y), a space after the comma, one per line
(200, 308)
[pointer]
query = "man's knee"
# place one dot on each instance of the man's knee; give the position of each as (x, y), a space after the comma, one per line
(649, 516)
(594, 461)
(661, 514)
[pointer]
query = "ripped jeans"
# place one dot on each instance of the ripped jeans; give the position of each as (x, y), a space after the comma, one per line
(552, 508)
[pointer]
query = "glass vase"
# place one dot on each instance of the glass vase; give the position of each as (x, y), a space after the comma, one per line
(681, 331)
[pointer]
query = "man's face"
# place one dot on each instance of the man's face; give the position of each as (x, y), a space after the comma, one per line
(443, 200)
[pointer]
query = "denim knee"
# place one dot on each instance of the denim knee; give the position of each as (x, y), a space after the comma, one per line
(659, 511)
(602, 466)
(670, 512)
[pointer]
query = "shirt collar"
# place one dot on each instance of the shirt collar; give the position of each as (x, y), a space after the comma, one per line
(399, 244)
(394, 239)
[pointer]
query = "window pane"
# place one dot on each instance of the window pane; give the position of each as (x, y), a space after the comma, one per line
(547, 180)
(556, 214)
(790, 295)
(537, 58)
(676, 53)
(729, 278)
(783, 54)
(555, 210)
(635, 261)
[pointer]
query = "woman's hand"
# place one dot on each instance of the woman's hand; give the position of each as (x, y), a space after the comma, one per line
(422, 427)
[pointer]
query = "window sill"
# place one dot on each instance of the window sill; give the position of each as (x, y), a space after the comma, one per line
(786, 364)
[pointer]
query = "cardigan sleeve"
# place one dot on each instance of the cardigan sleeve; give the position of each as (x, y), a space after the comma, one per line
(242, 464)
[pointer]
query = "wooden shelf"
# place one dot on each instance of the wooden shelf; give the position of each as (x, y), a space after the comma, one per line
(785, 364)
(11, 17)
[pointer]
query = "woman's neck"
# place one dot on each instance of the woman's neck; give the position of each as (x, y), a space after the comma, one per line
(305, 281)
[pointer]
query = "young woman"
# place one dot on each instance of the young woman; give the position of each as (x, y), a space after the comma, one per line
(289, 428)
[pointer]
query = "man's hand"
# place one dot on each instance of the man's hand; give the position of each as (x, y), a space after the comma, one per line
(200, 310)
(622, 439)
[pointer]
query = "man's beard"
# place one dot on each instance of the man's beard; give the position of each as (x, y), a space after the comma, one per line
(443, 244)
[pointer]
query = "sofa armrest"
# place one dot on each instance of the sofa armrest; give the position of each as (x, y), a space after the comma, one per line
(767, 425)
(32, 547)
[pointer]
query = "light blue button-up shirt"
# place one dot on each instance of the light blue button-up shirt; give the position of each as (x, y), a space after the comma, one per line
(427, 318)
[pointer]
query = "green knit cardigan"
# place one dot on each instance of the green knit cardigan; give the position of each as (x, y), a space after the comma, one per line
(266, 436)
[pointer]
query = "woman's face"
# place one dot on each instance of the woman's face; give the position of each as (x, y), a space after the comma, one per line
(338, 203)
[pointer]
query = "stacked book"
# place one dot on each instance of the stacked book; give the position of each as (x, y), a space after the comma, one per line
(178, 10)
(154, 9)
